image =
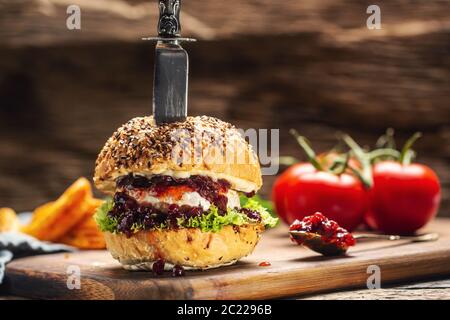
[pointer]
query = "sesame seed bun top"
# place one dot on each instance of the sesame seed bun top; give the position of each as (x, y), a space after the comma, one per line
(197, 146)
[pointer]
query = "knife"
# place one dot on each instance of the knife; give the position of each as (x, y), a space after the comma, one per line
(170, 82)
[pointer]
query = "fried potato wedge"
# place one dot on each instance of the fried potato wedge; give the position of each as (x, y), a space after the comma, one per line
(39, 214)
(8, 220)
(94, 203)
(85, 235)
(54, 219)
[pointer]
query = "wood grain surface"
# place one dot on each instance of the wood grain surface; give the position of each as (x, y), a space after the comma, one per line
(422, 290)
(293, 271)
(42, 22)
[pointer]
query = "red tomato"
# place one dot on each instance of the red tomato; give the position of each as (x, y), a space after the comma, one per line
(404, 197)
(340, 197)
(279, 187)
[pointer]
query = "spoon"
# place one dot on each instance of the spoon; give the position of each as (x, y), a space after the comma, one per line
(315, 242)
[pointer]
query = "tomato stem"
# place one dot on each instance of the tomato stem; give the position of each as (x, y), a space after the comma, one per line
(287, 160)
(407, 154)
(368, 184)
(366, 174)
(384, 152)
(336, 163)
(344, 164)
(303, 142)
(386, 140)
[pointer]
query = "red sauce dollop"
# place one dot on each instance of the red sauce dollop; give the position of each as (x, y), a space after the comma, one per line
(330, 231)
(158, 267)
(178, 271)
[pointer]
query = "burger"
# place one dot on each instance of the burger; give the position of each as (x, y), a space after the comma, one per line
(181, 195)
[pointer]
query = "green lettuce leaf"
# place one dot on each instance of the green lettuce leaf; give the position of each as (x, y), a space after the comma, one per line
(213, 221)
(209, 221)
(105, 222)
(267, 204)
(266, 218)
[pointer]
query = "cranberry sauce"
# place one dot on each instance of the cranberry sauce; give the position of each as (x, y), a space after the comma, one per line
(213, 191)
(330, 231)
(132, 216)
(254, 215)
(177, 271)
(158, 267)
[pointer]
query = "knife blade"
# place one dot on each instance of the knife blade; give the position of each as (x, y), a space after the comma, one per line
(170, 85)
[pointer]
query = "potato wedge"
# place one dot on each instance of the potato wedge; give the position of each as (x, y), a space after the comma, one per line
(8, 220)
(85, 235)
(53, 220)
(39, 214)
(94, 203)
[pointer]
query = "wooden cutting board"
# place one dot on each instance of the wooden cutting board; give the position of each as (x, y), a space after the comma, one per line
(293, 271)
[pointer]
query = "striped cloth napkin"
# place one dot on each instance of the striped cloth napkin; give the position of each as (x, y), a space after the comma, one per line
(17, 245)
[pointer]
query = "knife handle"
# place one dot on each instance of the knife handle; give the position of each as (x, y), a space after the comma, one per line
(169, 25)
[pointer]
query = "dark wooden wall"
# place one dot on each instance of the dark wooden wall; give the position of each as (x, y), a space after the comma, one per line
(309, 65)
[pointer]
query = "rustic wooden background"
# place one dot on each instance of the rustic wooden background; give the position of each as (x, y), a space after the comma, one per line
(311, 65)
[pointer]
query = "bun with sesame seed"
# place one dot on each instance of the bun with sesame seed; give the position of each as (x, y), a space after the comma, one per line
(198, 146)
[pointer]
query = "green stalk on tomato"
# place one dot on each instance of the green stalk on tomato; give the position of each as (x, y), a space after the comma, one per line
(382, 187)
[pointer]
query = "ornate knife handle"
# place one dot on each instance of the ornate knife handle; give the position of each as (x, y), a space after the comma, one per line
(169, 25)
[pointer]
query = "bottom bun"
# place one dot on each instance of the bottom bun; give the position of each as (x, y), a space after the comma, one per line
(187, 247)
